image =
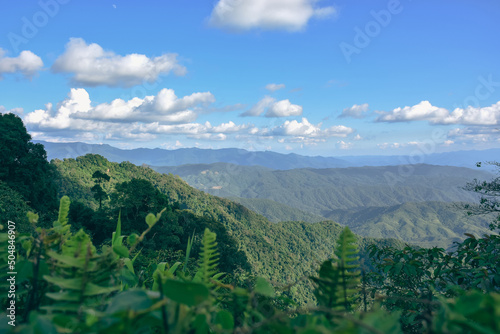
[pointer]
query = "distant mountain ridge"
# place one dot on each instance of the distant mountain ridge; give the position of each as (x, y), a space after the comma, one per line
(320, 191)
(269, 159)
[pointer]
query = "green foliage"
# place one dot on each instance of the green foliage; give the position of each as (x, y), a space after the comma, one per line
(411, 279)
(209, 258)
(24, 167)
(337, 284)
(86, 292)
(99, 193)
(284, 252)
(13, 207)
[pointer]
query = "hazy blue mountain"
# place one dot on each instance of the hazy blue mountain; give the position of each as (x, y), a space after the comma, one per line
(182, 156)
(161, 157)
(320, 191)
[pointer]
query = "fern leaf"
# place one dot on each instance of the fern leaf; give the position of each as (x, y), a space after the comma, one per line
(209, 258)
(63, 210)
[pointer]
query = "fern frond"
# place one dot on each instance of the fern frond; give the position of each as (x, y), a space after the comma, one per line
(209, 258)
(63, 210)
(337, 284)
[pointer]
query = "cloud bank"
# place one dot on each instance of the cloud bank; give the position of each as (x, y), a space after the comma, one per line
(90, 65)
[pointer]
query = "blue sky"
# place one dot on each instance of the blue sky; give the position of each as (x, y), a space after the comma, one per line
(311, 77)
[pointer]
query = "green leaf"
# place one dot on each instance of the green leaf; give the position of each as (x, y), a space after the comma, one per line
(132, 239)
(151, 219)
(200, 324)
(32, 217)
(263, 287)
(63, 210)
(121, 251)
(69, 260)
(69, 296)
(187, 293)
(225, 319)
(134, 299)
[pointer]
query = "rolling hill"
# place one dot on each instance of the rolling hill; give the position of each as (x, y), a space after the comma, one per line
(320, 191)
(282, 252)
(426, 224)
(420, 207)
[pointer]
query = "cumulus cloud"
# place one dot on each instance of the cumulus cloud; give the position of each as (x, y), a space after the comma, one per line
(137, 119)
(165, 107)
(306, 129)
(474, 116)
(272, 87)
(91, 65)
(291, 15)
(27, 63)
(273, 108)
(422, 111)
(426, 111)
(284, 108)
(356, 111)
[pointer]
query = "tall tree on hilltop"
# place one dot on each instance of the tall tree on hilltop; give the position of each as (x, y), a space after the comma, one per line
(99, 193)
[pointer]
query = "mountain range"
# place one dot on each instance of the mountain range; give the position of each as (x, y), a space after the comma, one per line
(273, 160)
(415, 203)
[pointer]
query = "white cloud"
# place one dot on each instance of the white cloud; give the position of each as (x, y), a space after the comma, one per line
(165, 107)
(358, 137)
(291, 15)
(384, 146)
(306, 129)
(422, 111)
(475, 134)
(136, 118)
(344, 145)
(284, 108)
(425, 111)
(272, 87)
(27, 63)
(474, 116)
(273, 108)
(356, 111)
(17, 111)
(91, 65)
(448, 143)
(260, 107)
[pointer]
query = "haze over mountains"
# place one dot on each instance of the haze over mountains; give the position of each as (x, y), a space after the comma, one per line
(273, 160)
(387, 197)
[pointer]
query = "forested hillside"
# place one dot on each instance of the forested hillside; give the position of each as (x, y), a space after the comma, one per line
(322, 190)
(421, 204)
(281, 252)
(426, 224)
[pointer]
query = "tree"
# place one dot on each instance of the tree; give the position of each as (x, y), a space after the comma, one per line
(24, 166)
(490, 196)
(99, 193)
